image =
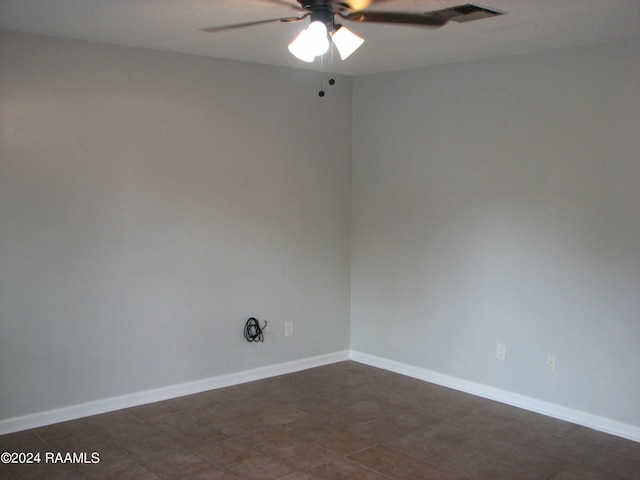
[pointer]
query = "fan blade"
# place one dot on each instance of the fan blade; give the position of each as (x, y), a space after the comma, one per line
(283, 3)
(224, 28)
(355, 5)
(344, 6)
(396, 17)
(350, 5)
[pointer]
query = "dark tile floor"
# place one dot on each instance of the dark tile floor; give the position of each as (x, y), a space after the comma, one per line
(341, 421)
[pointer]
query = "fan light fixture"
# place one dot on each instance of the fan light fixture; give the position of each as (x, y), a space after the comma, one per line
(311, 43)
(317, 38)
(346, 41)
(314, 42)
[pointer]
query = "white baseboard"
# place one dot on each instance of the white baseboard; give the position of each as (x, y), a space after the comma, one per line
(606, 425)
(630, 432)
(164, 393)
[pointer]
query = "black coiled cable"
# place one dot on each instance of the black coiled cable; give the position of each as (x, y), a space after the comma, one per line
(252, 330)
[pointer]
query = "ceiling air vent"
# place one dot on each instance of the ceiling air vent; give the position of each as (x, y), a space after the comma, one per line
(468, 13)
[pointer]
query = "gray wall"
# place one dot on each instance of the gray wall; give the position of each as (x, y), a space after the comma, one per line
(499, 201)
(149, 204)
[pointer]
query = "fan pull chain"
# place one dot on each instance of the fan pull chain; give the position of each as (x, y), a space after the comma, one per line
(332, 48)
(332, 82)
(321, 92)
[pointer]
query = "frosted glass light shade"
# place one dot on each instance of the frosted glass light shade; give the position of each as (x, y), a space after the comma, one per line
(299, 49)
(346, 41)
(312, 42)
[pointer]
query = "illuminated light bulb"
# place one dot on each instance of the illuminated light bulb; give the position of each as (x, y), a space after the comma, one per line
(299, 48)
(346, 41)
(312, 42)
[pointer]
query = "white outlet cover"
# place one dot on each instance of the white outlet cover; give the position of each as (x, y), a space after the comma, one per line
(551, 361)
(288, 329)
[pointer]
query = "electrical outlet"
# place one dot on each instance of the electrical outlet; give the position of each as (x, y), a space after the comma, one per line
(288, 329)
(551, 361)
(501, 351)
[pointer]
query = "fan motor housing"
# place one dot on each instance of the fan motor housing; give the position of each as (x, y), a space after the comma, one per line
(324, 16)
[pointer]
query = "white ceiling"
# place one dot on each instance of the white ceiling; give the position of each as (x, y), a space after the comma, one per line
(173, 25)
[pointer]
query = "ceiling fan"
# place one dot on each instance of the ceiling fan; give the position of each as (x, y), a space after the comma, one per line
(323, 30)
